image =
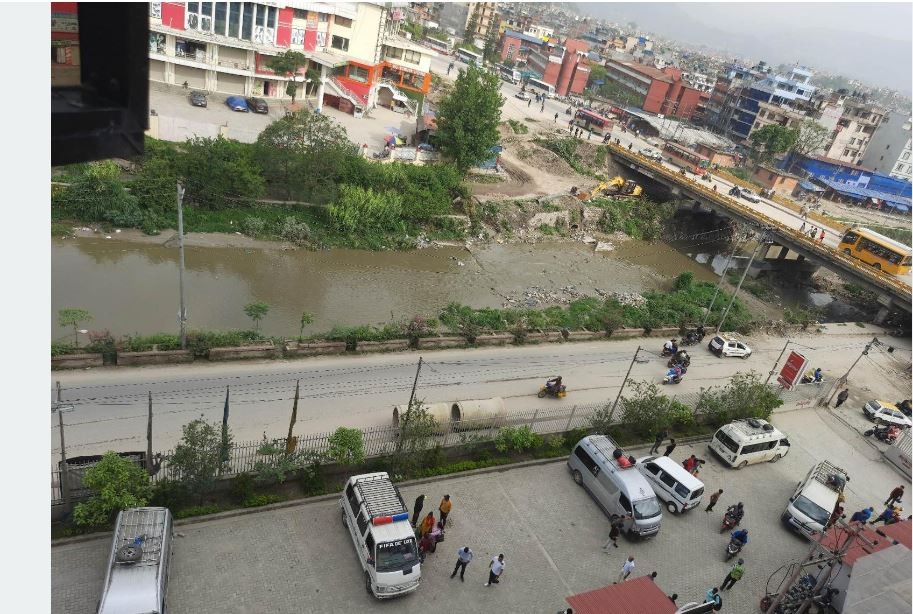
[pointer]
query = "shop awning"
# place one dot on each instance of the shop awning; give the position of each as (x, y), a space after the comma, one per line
(805, 184)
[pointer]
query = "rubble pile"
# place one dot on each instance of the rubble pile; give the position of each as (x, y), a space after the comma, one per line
(536, 296)
(631, 299)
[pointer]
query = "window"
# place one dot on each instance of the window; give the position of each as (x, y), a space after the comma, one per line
(681, 491)
(234, 19)
(322, 17)
(353, 499)
(340, 43)
(342, 22)
(362, 523)
(727, 441)
(586, 459)
(357, 73)
(393, 52)
(625, 503)
(369, 544)
(261, 15)
(652, 468)
(905, 156)
(413, 57)
(668, 480)
(221, 20)
(247, 22)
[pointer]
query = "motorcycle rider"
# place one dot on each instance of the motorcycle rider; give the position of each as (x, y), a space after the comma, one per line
(675, 373)
(736, 512)
(681, 357)
(670, 346)
(740, 535)
(554, 385)
(818, 376)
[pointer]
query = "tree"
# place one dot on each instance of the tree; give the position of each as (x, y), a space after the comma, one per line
(416, 436)
(773, 139)
(468, 118)
(197, 459)
(70, 316)
(117, 484)
(472, 25)
(812, 137)
(490, 51)
(219, 173)
(646, 411)
(256, 311)
(745, 396)
(347, 446)
(597, 73)
(287, 65)
(306, 318)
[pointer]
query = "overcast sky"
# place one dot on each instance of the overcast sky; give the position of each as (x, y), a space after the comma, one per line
(870, 41)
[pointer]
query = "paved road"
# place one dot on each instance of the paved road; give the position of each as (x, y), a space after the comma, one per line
(301, 559)
(110, 404)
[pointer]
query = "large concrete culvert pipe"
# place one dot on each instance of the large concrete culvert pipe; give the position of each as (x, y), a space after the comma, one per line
(468, 414)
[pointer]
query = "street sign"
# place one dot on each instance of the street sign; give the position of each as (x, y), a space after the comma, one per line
(793, 369)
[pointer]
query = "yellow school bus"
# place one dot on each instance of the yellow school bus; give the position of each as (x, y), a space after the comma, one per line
(877, 250)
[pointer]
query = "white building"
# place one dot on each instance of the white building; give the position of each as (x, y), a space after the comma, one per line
(889, 150)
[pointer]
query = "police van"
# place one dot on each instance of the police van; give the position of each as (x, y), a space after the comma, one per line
(743, 442)
(375, 514)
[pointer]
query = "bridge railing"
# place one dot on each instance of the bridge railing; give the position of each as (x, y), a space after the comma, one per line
(880, 278)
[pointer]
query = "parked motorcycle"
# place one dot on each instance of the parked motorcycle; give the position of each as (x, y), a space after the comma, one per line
(694, 336)
(887, 434)
(734, 547)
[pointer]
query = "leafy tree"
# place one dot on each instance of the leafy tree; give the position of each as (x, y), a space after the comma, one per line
(117, 484)
(490, 50)
(646, 410)
(773, 139)
(517, 439)
(597, 73)
(416, 436)
(468, 118)
(275, 463)
(71, 316)
(302, 154)
(306, 318)
(197, 459)
(347, 446)
(811, 137)
(745, 396)
(256, 311)
(472, 25)
(287, 65)
(219, 173)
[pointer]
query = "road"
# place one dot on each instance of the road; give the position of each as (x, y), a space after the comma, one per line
(111, 403)
(301, 558)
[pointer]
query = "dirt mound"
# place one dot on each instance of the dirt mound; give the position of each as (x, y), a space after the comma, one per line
(586, 151)
(543, 159)
(515, 172)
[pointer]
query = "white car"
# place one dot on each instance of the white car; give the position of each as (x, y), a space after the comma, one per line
(750, 196)
(886, 413)
(722, 345)
(649, 152)
(522, 96)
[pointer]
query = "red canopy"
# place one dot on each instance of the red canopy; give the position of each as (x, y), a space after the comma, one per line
(637, 596)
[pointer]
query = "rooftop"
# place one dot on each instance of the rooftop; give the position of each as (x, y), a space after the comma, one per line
(632, 597)
(648, 71)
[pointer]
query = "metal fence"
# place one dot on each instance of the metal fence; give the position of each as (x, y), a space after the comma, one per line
(381, 440)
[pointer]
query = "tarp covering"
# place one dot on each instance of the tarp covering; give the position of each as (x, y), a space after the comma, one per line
(901, 203)
(805, 184)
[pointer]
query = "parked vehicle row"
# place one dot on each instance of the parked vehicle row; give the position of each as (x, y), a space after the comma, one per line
(235, 103)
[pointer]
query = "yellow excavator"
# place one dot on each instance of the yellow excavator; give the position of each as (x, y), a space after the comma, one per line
(616, 186)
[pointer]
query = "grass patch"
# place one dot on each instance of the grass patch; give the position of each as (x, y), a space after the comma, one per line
(61, 230)
(860, 324)
(639, 218)
(518, 127)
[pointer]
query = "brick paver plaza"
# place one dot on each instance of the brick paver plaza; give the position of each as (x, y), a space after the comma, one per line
(300, 559)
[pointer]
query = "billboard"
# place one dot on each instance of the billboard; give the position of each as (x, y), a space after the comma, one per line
(792, 370)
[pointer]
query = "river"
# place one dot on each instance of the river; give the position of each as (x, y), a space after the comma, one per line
(132, 287)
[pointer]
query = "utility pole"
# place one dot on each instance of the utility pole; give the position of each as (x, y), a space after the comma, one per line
(59, 408)
(182, 316)
(774, 369)
(624, 381)
(761, 243)
(149, 438)
(719, 284)
(289, 441)
(843, 380)
(415, 383)
(224, 455)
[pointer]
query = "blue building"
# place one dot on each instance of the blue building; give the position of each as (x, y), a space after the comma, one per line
(774, 89)
(855, 183)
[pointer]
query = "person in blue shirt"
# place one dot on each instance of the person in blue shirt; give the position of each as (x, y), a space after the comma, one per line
(862, 516)
(818, 375)
(741, 535)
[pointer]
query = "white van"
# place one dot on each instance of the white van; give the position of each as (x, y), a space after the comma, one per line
(743, 442)
(815, 498)
(672, 483)
(138, 565)
(601, 467)
(378, 522)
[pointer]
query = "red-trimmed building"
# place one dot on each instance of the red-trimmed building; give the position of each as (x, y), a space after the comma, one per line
(224, 47)
(663, 91)
(575, 68)
(64, 44)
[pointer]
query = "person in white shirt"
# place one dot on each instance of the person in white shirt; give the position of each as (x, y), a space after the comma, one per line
(495, 569)
(464, 556)
(626, 570)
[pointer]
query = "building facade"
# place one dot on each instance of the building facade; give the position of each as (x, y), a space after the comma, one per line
(483, 15)
(889, 149)
(776, 90)
(663, 91)
(855, 128)
(225, 47)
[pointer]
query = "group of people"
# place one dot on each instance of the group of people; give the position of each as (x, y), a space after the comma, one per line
(430, 531)
(892, 513)
(812, 232)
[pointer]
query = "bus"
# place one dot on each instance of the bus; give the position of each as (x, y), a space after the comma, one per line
(439, 46)
(877, 250)
(511, 75)
(541, 87)
(683, 157)
(592, 121)
(469, 57)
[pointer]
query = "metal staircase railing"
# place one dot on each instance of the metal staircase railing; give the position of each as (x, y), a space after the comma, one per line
(412, 105)
(355, 98)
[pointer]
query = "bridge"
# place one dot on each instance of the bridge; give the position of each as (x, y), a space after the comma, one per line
(892, 292)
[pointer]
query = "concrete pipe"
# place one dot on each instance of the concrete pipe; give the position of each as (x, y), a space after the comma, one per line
(441, 412)
(477, 413)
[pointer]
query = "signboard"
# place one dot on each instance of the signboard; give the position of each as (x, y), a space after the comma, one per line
(793, 369)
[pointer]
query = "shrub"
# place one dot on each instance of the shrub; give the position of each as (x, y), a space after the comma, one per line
(294, 231)
(364, 210)
(347, 446)
(684, 281)
(646, 411)
(116, 484)
(260, 500)
(253, 226)
(745, 396)
(171, 494)
(198, 510)
(517, 439)
(242, 487)
(164, 341)
(199, 456)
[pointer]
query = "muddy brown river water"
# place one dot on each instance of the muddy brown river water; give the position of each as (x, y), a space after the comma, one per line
(132, 287)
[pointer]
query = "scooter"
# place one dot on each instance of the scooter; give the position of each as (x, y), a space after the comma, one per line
(549, 391)
(672, 378)
(734, 547)
(684, 364)
(667, 352)
(693, 337)
(887, 434)
(729, 521)
(706, 177)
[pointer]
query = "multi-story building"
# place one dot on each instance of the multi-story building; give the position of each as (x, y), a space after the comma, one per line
(776, 90)
(483, 16)
(575, 69)
(855, 128)
(541, 32)
(663, 91)
(889, 149)
(64, 45)
(516, 46)
(545, 62)
(225, 47)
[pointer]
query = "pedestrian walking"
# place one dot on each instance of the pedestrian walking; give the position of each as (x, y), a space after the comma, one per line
(652, 576)
(660, 437)
(670, 447)
(862, 515)
(444, 509)
(734, 575)
(842, 397)
(802, 227)
(713, 499)
(542, 108)
(556, 118)
(813, 232)
(837, 513)
(570, 126)
(529, 102)
(495, 569)
(417, 509)
(672, 597)
(821, 237)
(713, 596)
(614, 531)
(626, 570)
(895, 496)
(464, 557)
(186, 85)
